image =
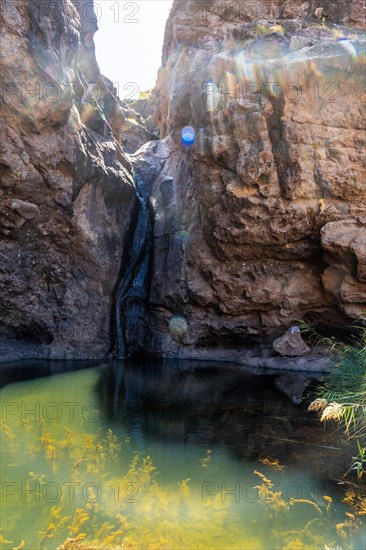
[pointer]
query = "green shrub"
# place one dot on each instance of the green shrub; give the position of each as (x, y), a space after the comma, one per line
(277, 28)
(343, 398)
(261, 29)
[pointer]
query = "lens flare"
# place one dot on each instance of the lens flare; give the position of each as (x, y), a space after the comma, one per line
(178, 326)
(188, 136)
(182, 236)
(349, 47)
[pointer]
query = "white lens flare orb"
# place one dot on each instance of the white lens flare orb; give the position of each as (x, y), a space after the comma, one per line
(348, 46)
(188, 136)
(178, 326)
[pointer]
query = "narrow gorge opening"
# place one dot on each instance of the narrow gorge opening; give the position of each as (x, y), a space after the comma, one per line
(135, 31)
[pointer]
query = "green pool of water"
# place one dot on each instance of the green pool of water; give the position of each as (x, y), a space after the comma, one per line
(166, 455)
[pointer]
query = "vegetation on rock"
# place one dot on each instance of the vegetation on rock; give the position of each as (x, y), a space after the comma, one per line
(343, 398)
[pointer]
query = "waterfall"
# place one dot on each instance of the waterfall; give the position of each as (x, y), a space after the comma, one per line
(131, 291)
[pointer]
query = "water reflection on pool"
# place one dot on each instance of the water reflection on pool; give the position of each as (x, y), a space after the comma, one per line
(169, 455)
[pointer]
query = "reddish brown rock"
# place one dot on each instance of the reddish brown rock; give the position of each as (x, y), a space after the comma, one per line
(239, 250)
(344, 245)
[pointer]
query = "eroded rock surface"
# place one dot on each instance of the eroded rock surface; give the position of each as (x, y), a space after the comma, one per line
(66, 196)
(255, 226)
(344, 246)
(260, 224)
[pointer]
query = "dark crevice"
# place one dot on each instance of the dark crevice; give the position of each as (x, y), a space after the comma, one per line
(287, 169)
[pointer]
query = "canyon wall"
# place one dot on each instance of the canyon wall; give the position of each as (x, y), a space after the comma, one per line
(262, 222)
(257, 225)
(67, 196)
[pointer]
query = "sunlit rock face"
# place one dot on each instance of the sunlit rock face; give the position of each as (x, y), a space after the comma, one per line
(259, 223)
(66, 191)
(139, 125)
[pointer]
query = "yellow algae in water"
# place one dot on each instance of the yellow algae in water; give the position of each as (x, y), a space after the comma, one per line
(73, 544)
(207, 459)
(142, 507)
(4, 541)
(8, 432)
(81, 517)
(184, 489)
(272, 463)
(356, 502)
(160, 521)
(51, 530)
(21, 545)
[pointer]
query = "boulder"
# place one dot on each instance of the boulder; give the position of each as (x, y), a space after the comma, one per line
(291, 344)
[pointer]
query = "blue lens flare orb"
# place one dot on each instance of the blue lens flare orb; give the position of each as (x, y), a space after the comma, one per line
(188, 136)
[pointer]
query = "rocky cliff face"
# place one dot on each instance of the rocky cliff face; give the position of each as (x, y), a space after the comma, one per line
(261, 223)
(66, 196)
